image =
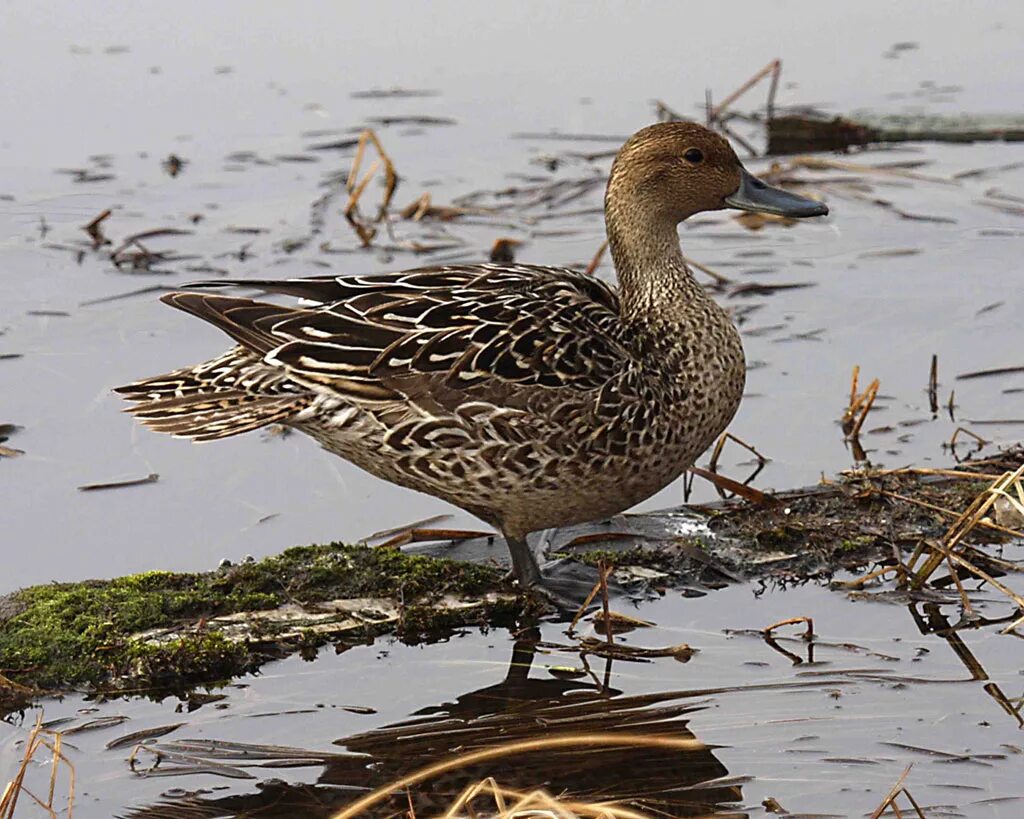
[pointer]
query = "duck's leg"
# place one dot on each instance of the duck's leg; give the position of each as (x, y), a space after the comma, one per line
(524, 562)
(564, 591)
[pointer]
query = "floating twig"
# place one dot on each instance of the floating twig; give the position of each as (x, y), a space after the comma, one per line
(152, 477)
(933, 385)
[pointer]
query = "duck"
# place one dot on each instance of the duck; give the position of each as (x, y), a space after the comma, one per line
(530, 396)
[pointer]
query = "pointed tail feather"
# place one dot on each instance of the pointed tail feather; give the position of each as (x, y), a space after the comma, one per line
(217, 414)
(217, 373)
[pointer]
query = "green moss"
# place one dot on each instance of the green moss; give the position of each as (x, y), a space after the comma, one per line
(70, 633)
(661, 559)
(310, 573)
(859, 542)
(778, 536)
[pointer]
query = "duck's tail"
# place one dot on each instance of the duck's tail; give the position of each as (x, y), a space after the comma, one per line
(226, 396)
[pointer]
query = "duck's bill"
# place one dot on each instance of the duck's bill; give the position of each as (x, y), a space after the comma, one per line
(757, 196)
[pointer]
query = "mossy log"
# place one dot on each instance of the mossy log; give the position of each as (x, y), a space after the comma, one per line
(166, 631)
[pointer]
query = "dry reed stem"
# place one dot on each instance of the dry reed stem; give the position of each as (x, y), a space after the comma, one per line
(583, 608)
(417, 209)
(1016, 598)
(1016, 624)
(625, 620)
(924, 504)
(863, 580)
(720, 445)
(970, 518)
(720, 280)
(808, 635)
(964, 599)
(596, 740)
(748, 493)
(605, 571)
(36, 740)
(890, 798)
(865, 403)
(961, 527)
(774, 68)
(1018, 502)
(595, 262)
(365, 232)
(943, 473)
(965, 431)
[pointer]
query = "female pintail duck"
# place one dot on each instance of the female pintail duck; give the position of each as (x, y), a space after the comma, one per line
(530, 396)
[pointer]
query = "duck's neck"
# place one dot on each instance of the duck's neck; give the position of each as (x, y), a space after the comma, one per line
(654, 280)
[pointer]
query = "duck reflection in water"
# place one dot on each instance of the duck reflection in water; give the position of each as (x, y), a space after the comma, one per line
(526, 704)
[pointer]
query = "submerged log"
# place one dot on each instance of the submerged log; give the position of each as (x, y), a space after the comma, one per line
(800, 133)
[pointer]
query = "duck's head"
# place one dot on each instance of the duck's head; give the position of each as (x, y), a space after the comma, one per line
(676, 169)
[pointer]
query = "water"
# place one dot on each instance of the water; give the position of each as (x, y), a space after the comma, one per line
(115, 90)
(825, 732)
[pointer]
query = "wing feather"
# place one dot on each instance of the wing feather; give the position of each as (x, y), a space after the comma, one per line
(432, 334)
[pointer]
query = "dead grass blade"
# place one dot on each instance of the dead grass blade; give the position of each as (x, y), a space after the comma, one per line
(949, 512)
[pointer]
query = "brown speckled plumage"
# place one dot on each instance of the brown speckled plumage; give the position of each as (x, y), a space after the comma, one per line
(530, 396)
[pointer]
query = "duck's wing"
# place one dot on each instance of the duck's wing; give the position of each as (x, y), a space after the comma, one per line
(502, 333)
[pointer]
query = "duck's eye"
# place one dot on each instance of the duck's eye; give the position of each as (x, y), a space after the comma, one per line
(694, 156)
